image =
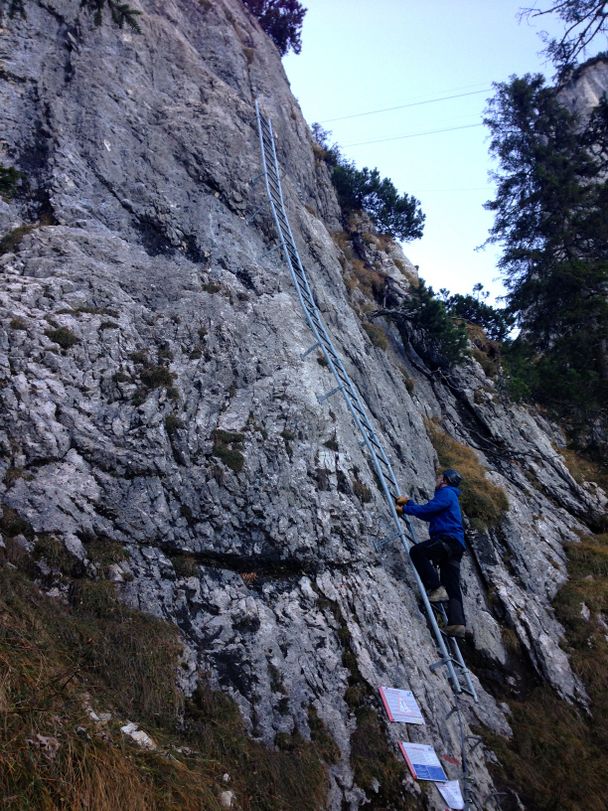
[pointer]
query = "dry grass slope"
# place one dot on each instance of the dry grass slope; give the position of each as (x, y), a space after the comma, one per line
(55, 658)
(557, 756)
(483, 502)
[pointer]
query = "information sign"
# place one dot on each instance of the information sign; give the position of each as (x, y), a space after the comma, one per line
(401, 706)
(422, 761)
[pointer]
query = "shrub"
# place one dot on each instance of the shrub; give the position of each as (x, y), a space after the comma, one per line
(12, 240)
(483, 502)
(9, 180)
(12, 523)
(485, 351)
(444, 340)
(369, 281)
(172, 424)
(496, 323)
(223, 449)
(397, 216)
(281, 20)
(156, 377)
(62, 336)
(104, 551)
(185, 565)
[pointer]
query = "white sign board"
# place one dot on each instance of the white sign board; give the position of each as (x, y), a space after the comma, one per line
(401, 706)
(451, 793)
(422, 761)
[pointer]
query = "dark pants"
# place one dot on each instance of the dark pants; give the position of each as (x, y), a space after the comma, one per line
(446, 553)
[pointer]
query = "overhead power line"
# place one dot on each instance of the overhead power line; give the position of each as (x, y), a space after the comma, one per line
(414, 135)
(403, 106)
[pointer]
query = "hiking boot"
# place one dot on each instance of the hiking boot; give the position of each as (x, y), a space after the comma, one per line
(458, 631)
(439, 595)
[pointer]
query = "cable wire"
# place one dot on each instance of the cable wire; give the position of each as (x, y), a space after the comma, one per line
(403, 106)
(415, 135)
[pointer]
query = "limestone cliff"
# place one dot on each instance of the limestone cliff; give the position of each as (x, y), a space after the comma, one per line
(153, 391)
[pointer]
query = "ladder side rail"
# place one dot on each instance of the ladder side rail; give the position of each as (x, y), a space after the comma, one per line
(288, 226)
(280, 230)
(349, 391)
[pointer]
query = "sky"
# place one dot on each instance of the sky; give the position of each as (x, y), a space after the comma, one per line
(360, 56)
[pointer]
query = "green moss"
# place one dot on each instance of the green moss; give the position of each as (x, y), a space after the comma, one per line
(62, 336)
(18, 323)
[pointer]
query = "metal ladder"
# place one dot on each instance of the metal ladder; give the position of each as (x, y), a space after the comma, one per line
(451, 656)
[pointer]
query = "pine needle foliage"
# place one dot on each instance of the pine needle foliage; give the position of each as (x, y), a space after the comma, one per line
(396, 215)
(120, 13)
(551, 218)
(281, 20)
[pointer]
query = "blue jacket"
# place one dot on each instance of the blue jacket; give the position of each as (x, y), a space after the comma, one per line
(442, 512)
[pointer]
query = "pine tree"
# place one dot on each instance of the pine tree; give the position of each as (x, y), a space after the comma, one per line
(551, 218)
(281, 20)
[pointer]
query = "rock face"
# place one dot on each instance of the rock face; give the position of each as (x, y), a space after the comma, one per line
(587, 87)
(154, 394)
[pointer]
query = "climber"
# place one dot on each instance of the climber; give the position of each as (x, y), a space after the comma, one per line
(444, 549)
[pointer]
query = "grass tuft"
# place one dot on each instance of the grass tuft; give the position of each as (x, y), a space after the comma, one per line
(376, 335)
(223, 449)
(62, 336)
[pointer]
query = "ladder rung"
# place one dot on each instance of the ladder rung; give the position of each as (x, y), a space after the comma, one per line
(450, 652)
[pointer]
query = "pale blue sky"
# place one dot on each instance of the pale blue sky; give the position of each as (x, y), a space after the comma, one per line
(359, 56)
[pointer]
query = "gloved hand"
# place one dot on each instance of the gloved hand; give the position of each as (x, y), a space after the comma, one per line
(401, 500)
(399, 509)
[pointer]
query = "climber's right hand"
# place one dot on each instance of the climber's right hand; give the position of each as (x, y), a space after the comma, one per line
(401, 500)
